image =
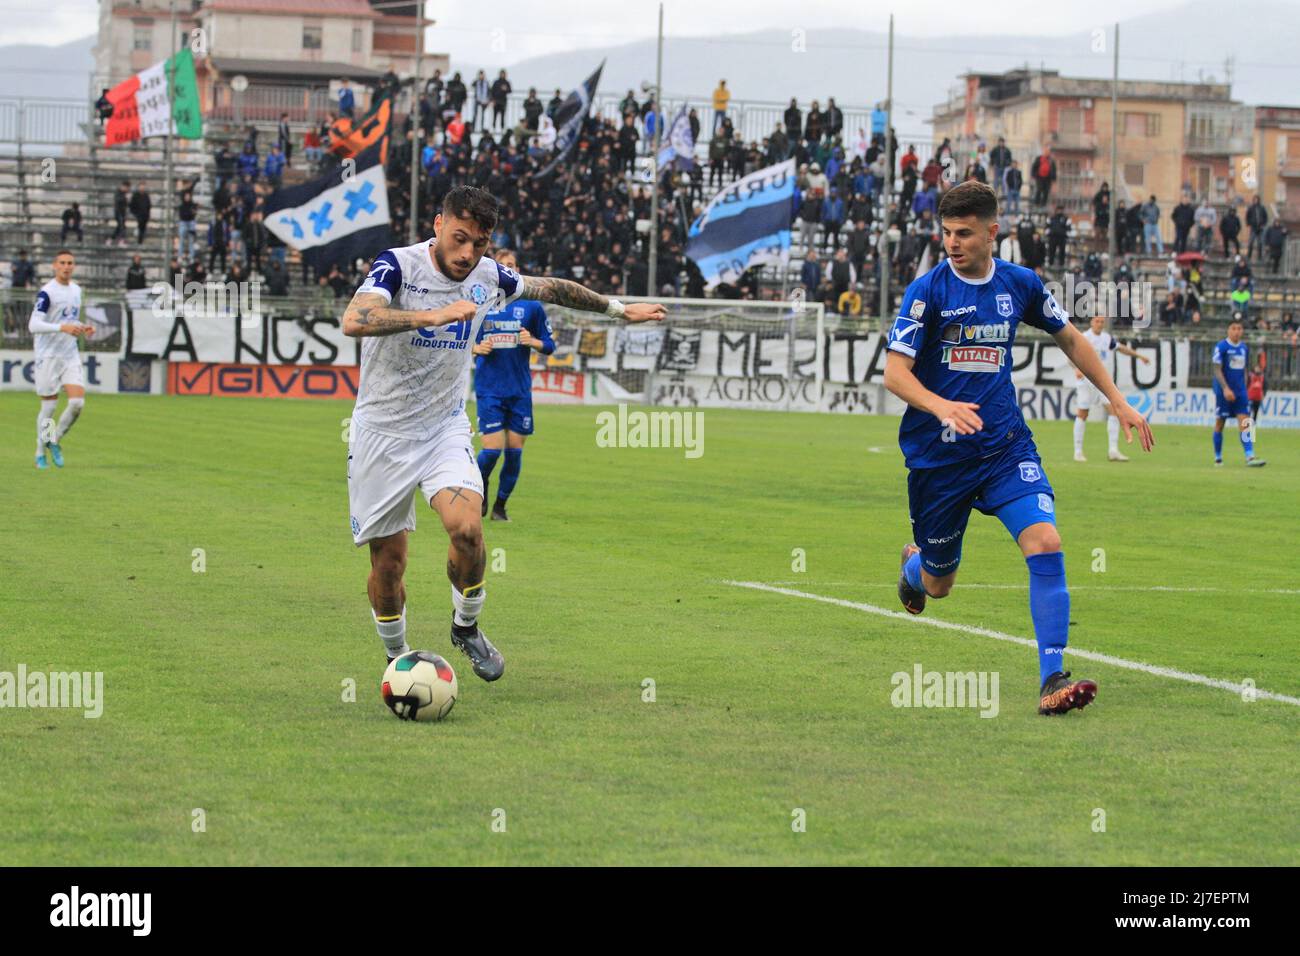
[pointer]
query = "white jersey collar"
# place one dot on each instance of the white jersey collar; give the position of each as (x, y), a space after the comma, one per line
(993, 267)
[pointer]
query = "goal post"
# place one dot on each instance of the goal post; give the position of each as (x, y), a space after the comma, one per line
(707, 352)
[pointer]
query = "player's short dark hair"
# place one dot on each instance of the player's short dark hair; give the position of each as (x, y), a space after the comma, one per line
(470, 202)
(64, 252)
(1236, 319)
(971, 198)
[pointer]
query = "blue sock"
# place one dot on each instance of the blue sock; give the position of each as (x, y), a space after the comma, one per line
(1247, 444)
(912, 571)
(487, 460)
(1049, 606)
(510, 472)
(1218, 445)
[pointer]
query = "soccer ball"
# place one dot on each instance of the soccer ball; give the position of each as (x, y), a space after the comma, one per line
(420, 685)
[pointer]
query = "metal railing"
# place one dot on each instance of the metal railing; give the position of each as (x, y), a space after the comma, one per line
(43, 122)
(261, 103)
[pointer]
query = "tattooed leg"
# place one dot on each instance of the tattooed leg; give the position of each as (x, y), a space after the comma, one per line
(459, 509)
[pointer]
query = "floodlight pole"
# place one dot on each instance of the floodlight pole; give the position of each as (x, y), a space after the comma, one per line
(889, 178)
(168, 201)
(417, 146)
(651, 281)
(1112, 232)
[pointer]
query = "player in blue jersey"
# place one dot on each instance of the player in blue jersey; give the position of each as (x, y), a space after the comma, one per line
(963, 435)
(503, 387)
(1230, 394)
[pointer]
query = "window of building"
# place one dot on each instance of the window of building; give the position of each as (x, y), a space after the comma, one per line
(1141, 124)
(356, 39)
(142, 36)
(1135, 174)
(1201, 178)
(311, 36)
(1070, 121)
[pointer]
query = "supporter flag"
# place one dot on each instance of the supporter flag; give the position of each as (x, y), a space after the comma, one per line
(569, 117)
(745, 225)
(348, 139)
(160, 100)
(338, 217)
(679, 150)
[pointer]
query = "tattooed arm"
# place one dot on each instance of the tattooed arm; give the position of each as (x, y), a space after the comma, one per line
(369, 314)
(574, 296)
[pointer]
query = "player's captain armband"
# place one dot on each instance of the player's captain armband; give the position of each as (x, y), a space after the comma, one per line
(384, 277)
(42, 302)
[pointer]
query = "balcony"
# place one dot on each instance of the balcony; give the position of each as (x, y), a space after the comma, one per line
(1230, 144)
(1219, 129)
(1074, 141)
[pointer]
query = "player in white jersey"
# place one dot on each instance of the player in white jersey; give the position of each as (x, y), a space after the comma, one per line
(1087, 397)
(55, 327)
(420, 309)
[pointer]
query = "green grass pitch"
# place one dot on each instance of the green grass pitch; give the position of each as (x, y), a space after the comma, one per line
(224, 689)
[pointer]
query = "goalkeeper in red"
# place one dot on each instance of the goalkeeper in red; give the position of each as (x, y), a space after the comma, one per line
(963, 435)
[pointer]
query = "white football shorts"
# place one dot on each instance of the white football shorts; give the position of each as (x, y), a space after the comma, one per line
(53, 373)
(384, 472)
(1087, 396)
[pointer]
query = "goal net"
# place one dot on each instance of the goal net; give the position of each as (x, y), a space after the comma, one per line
(723, 353)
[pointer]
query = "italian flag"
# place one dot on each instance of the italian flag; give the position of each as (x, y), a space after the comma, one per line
(145, 105)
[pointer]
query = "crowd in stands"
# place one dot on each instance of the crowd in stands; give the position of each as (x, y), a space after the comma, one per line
(580, 218)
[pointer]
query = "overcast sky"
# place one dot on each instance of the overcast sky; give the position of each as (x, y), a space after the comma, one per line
(506, 31)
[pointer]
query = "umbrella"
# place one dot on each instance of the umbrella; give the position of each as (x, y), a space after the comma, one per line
(1189, 258)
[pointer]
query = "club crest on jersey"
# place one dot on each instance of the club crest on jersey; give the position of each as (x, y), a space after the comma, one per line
(1004, 304)
(478, 293)
(1029, 471)
(974, 358)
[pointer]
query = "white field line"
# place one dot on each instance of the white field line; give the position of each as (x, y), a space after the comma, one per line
(1073, 587)
(1158, 671)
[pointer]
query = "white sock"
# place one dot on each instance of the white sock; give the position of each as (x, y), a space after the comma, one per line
(467, 608)
(1112, 433)
(44, 431)
(1079, 426)
(69, 417)
(392, 633)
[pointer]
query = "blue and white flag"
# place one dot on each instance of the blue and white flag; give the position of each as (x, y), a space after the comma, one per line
(679, 149)
(569, 117)
(337, 217)
(745, 225)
